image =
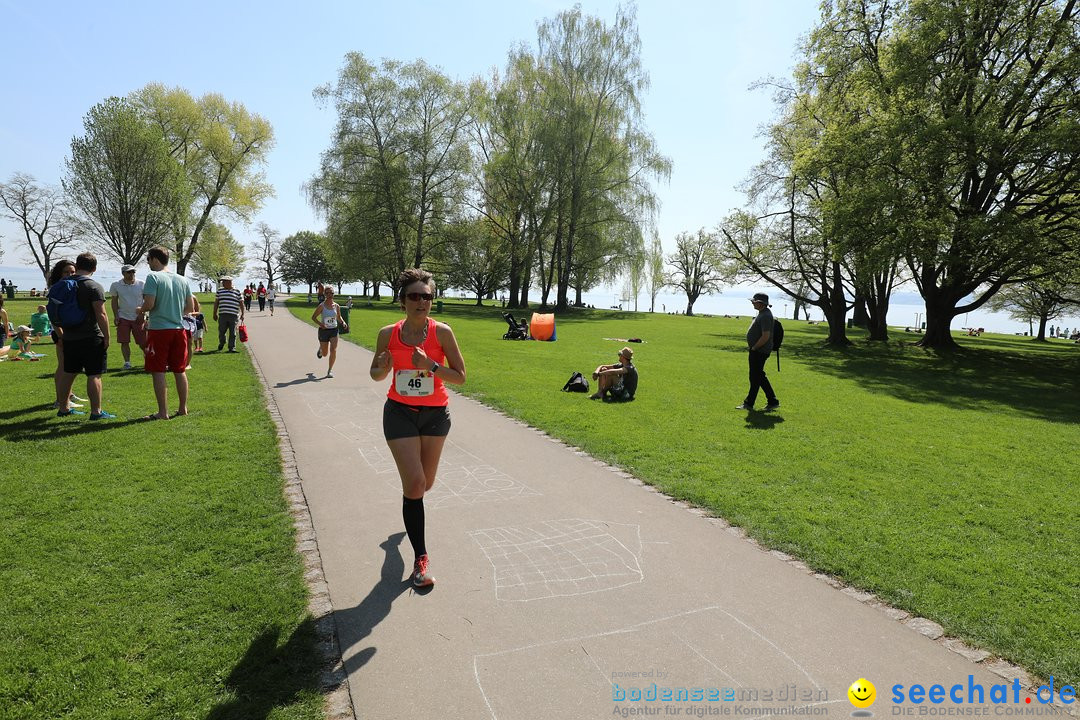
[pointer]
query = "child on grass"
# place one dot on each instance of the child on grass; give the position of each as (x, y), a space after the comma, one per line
(20, 345)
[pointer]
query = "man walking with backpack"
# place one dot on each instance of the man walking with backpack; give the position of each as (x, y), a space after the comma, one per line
(77, 309)
(760, 342)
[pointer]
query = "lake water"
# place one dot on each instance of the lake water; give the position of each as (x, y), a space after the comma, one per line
(905, 309)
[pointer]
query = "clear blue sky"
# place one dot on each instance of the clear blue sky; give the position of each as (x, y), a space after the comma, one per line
(60, 58)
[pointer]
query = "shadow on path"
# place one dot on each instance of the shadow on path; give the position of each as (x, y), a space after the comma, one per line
(310, 378)
(357, 623)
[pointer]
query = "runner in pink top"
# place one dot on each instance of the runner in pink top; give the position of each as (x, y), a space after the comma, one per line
(420, 355)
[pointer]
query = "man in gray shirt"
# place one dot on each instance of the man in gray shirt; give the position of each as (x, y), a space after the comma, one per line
(759, 341)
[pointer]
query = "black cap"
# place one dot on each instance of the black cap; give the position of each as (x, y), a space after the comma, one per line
(761, 298)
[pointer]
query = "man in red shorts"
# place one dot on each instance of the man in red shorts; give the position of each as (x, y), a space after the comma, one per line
(166, 299)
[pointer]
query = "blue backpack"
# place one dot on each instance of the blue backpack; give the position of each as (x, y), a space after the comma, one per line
(64, 309)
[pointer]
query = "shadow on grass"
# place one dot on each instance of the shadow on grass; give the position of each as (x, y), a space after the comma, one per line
(1037, 384)
(269, 677)
(356, 623)
(756, 420)
(9, 414)
(50, 426)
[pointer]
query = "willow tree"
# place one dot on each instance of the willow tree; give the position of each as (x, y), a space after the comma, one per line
(397, 158)
(590, 78)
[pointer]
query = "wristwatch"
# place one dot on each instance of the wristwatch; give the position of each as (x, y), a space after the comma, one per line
(434, 366)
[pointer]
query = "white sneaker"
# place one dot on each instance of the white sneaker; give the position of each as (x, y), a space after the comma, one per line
(329, 374)
(127, 366)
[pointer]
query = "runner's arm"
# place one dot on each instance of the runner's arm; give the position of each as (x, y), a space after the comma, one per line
(454, 370)
(381, 363)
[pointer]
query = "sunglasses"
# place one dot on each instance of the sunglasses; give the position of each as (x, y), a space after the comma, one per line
(417, 297)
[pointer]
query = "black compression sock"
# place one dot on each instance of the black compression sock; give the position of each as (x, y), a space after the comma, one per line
(412, 511)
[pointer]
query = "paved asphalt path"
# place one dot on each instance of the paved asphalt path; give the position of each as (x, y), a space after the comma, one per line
(564, 585)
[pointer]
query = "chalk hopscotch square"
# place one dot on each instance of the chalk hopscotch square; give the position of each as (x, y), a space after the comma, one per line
(560, 558)
(464, 478)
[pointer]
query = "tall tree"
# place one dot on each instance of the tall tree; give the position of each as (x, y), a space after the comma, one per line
(221, 146)
(396, 160)
(126, 188)
(266, 252)
(303, 259)
(591, 76)
(981, 103)
(218, 254)
(697, 266)
(40, 210)
(512, 180)
(477, 258)
(1044, 299)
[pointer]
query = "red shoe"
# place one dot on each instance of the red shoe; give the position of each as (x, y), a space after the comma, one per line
(420, 575)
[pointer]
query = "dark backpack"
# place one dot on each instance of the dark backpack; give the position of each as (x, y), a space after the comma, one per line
(576, 383)
(777, 340)
(63, 308)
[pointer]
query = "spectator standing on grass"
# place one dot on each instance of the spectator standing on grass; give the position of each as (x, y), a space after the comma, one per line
(61, 269)
(228, 310)
(759, 340)
(3, 322)
(167, 298)
(86, 343)
(126, 297)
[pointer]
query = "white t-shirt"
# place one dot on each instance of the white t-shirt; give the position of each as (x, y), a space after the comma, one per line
(270, 294)
(130, 296)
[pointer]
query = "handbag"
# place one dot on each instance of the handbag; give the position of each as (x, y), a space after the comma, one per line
(242, 333)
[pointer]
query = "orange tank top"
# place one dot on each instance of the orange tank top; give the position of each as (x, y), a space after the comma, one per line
(401, 355)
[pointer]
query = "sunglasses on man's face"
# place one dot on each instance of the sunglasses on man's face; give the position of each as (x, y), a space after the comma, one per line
(417, 297)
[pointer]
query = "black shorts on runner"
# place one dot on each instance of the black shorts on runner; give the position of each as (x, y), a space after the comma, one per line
(85, 356)
(401, 421)
(326, 333)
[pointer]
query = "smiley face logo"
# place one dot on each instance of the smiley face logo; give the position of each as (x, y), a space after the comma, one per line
(862, 693)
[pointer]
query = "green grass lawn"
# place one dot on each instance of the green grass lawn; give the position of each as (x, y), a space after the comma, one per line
(946, 484)
(148, 569)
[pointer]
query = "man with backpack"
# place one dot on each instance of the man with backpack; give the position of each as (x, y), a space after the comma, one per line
(77, 309)
(759, 338)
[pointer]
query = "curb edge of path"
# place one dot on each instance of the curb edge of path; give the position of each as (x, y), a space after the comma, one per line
(333, 680)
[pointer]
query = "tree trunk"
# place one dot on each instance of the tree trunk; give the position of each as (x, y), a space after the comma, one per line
(1041, 337)
(939, 315)
(860, 316)
(834, 305)
(690, 305)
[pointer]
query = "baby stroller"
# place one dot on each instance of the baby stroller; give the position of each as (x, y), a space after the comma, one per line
(517, 331)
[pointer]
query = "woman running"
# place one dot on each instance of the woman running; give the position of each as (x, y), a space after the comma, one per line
(328, 315)
(423, 354)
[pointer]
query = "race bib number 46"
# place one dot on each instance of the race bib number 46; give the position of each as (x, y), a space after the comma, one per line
(414, 383)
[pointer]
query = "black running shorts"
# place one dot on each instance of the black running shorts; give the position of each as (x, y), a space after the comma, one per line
(86, 355)
(326, 333)
(401, 421)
